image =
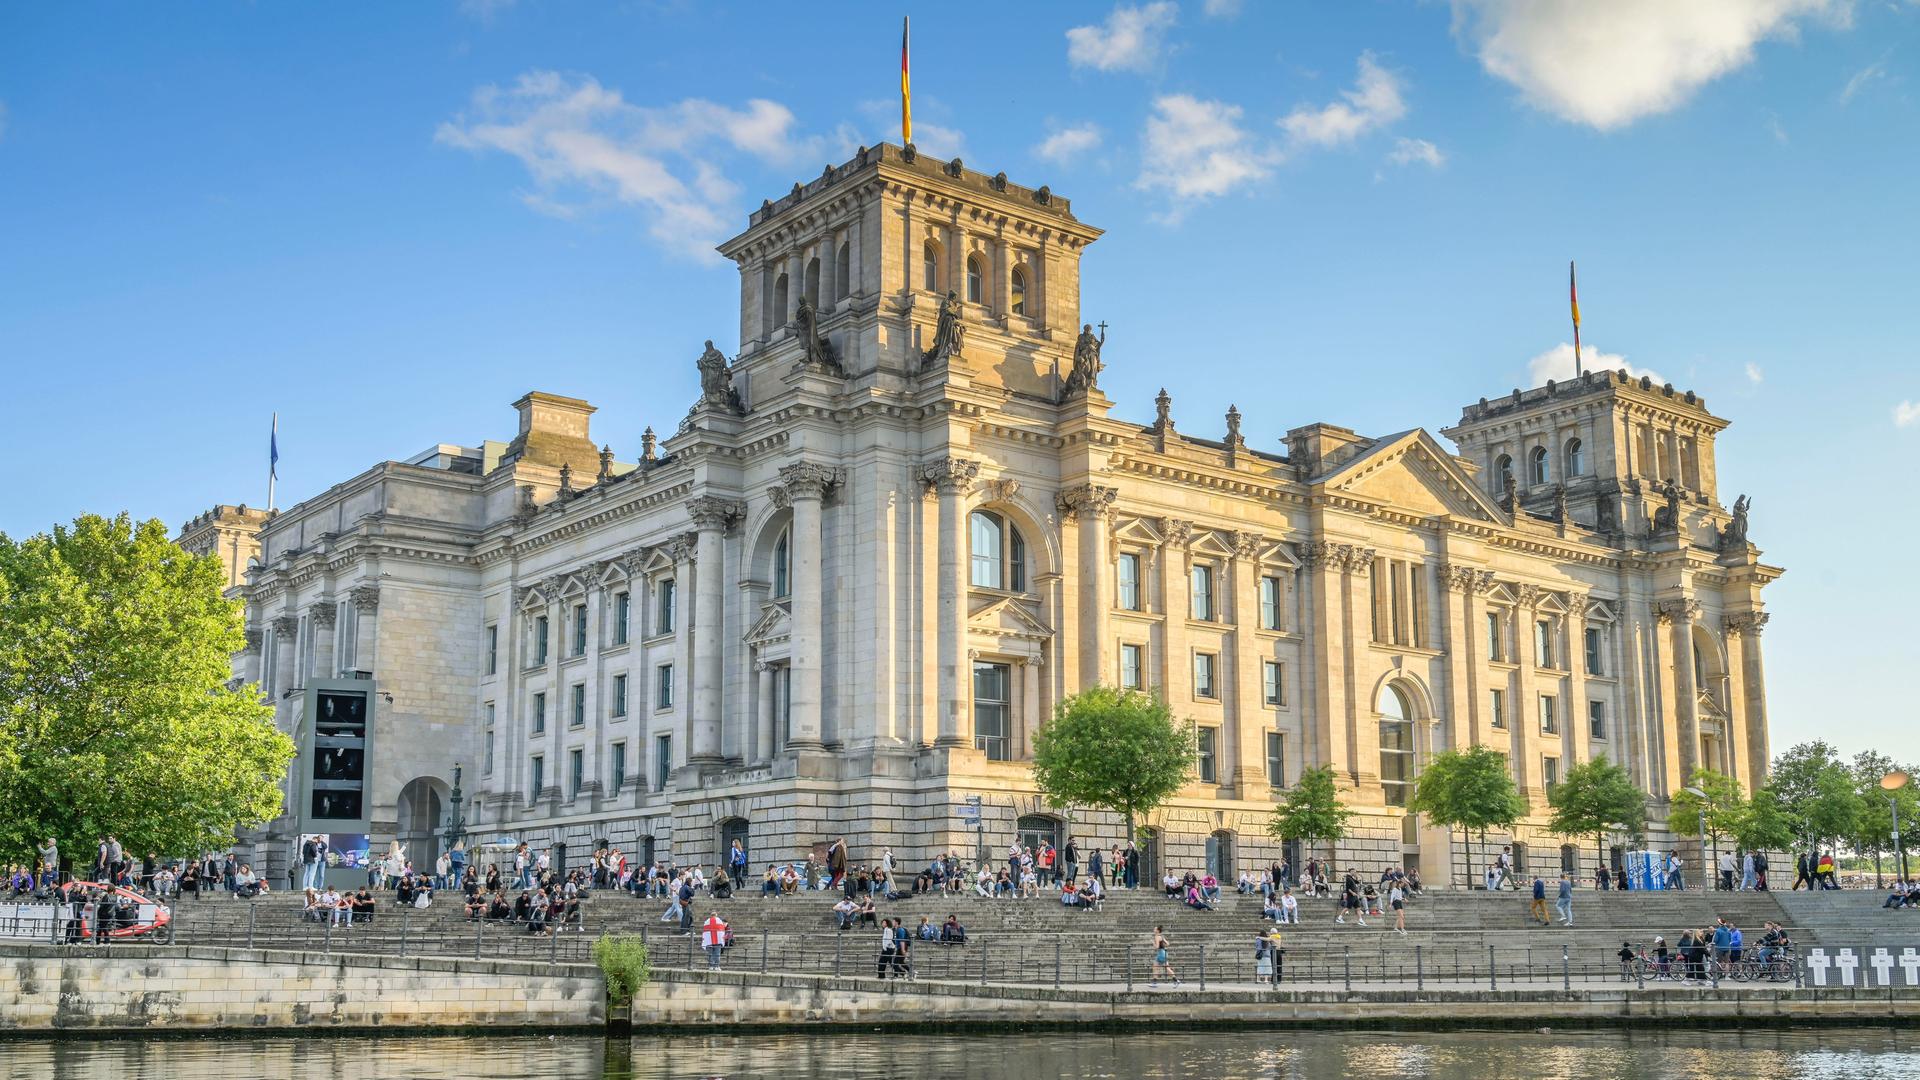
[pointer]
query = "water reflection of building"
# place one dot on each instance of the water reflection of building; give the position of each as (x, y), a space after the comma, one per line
(901, 523)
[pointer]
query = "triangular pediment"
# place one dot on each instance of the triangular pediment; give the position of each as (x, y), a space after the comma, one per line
(1006, 616)
(1137, 531)
(1413, 473)
(775, 625)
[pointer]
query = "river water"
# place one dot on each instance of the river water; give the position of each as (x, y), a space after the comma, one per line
(1835, 1054)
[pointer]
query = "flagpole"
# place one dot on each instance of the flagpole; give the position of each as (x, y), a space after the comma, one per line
(906, 87)
(273, 461)
(1573, 299)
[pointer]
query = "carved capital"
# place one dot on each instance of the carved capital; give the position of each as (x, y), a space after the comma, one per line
(1179, 532)
(680, 548)
(1466, 579)
(1248, 545)
(1319, 553)
(1528, 595)
(782, 500)
(709, 512)
(365, 597)
(806, 480)
(1747, 623)
(1355, 559)
(950, 476)
(1686, 610)
(1002, 488)
(1088, 502)
(285, 626)
(322, 613)
(254, 638)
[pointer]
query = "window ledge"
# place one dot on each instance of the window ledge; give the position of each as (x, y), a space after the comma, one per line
(617, 647)
(1415, 650)
(1138, 616)
(659, 638)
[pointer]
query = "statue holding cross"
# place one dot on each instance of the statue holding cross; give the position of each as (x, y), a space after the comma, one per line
(1086, 360)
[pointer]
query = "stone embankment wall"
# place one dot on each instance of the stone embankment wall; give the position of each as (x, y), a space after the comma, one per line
(137, 987)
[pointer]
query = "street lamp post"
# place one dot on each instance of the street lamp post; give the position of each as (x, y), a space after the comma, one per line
(455, 824)
(1891, 783)
(1708, 869)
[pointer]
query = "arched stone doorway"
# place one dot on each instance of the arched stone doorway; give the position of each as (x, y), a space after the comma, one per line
(419, 817)
(1220, 857)
(1149, 845)
(730, 830)
(1037, 829)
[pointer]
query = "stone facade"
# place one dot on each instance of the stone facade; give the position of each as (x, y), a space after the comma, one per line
(902, 523)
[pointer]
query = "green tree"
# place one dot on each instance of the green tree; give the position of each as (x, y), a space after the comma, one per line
(1718, 807)
(1763, 824)
(1471, 790)
(115, 714)
(1121, 750)
(1594, 799)
(1873, 831)
(1311, 812)
(1817, 793)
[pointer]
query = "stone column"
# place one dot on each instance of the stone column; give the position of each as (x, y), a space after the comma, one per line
(1176, 599)
(1680, 614)
(710, 518)
(1090, 506)
(366, 626)
(286, 633)
(1578, 732)
(1245, 749)
(1462, 584)
(763, 719)
(681, 549)
(250, 657)
(1753, 691)
(1325, 657)
(804, 486)
(950, 477)
(1526, 711)
(320, 621)
(1363, 735)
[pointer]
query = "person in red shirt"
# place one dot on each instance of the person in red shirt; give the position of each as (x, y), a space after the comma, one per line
(713, 938)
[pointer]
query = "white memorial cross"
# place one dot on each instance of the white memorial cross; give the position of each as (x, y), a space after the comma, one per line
(1817, 964)
(1910, 962)
(1846, 961)
(1882, 962)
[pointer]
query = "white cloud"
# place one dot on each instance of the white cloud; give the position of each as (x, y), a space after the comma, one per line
(1609, 64)
(1557, 364)
(1871, 73)
(1196, 149)
(1906, 413)
(484, 10)
(1416, 152)
(1130, 40)
(1778, 129)
(1374, 102)
(1068, 143)
(583, 143)
(1223, 9)
(930, 138)
(1754, 374)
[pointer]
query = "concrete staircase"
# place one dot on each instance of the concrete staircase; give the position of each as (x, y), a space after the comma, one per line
(1851, 917)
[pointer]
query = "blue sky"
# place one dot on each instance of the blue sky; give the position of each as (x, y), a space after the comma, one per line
(388, 221)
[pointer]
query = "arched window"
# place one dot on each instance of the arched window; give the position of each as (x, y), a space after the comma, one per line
(782, 568)
(813, 281)
(1018, 301)
(1537, 466)
(843, 273)
(930, 266)
(999, 554)
(1576, 458)
(976, 285)
(1396, 746)
(780, 301)
(1503, 473)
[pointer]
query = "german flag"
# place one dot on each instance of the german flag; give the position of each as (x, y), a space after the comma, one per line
(1573, 298)
(906, 89)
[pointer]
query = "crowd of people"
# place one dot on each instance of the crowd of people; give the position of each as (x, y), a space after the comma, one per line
(1712, 953)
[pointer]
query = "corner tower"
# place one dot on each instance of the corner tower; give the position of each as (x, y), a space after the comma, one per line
(848, 275)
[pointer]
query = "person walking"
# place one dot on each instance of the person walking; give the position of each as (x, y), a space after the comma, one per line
(1746, 872)
(1563, 904)
(1538, 908)
(1397, 902)
(1803, 871)
(1072, 854)
(888, 945)
(1162, 963)
(685, 896)
(1726, 871)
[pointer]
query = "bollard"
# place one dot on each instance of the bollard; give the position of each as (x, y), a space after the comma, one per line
(1056, 963)
(983, 963)
(478, 925)
(1126, 961)
(250, 926)
(1713, 970)
(1346, 966)
(690, 940)
(1797, 970)
(1203, 966)
(1566, 973)
(763, 950)
(553, 944)
(1419, 969)
(1639, 975)
(839, 940)
(406, 918)
(1493, 975)
(328, 940)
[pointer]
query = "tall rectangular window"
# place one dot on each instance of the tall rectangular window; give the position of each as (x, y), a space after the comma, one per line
(1276, 759)
(1205, 739)
(1549, 772)
(576, 771)
(579, 716)
(1132, 659)
(622, 615)
(579, 629)
(1543, 643)
(1203, 592)
(1596, 652)
(1416, 607)
(992, 709)
(1549, 721)
(617, 767)
(619, 695)
(486, 753)
(1495, 651)
(663, 607)
(1273, 682)
(783, 703)
(540, 713)
(1597, 719)
(1270, 603)
(537, 775)
(1129, 572)
(662, 761)
(493, 650)
(540, 638)
(1203, 671)
(663, 687)
(1497, 708)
